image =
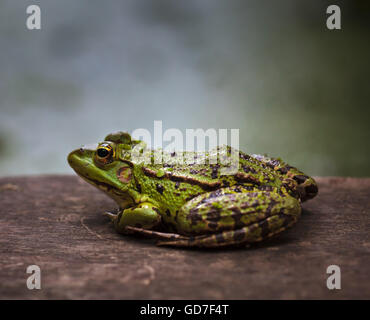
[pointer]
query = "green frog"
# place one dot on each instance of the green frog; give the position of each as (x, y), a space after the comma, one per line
(194, 204)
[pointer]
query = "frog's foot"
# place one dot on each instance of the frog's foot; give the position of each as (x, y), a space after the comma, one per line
(156, 234)
(244, 236)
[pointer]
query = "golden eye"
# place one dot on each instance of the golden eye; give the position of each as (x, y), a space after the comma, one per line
(104, 153)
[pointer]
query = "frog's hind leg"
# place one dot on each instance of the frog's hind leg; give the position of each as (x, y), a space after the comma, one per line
(255, 232)
(227, 217)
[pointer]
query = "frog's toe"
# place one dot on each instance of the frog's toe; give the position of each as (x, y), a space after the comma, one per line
(155, 234)
(111, 216)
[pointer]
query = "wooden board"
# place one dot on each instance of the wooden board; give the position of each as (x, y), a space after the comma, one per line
(56, 222)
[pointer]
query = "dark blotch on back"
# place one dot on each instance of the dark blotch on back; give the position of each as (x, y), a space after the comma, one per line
(248, 169)
(160, 188)
(138, 187)
(204, 185)
(243, 177)
(283, 170)
(244, 156)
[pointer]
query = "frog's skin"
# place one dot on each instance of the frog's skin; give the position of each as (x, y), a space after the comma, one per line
(193, 204)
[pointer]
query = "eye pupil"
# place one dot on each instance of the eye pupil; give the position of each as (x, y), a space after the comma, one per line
(102, 153)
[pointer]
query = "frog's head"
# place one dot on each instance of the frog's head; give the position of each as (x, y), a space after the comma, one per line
(102, 165)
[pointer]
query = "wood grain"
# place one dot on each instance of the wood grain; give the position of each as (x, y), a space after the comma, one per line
(56, 222)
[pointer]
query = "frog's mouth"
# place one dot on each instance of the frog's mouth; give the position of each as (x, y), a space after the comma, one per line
(81, 161)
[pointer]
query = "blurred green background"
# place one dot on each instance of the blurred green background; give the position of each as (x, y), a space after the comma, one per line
(272, 69)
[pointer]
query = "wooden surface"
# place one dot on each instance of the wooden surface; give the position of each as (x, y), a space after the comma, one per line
(56, 223)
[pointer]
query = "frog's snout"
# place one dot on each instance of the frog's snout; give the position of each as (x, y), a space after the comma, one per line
(81, 155)
(79, 158)
(75, 156)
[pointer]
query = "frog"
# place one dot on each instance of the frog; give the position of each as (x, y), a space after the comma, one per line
(194, 204)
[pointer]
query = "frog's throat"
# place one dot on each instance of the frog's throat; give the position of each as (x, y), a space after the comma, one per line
(122, 198)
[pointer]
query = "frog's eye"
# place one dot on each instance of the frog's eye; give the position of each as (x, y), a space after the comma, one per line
(104, 153)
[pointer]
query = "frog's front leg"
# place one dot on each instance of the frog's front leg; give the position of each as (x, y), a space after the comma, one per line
(145, 215)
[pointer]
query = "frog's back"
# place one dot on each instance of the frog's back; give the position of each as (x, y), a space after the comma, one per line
(174, 183)
(177, 182)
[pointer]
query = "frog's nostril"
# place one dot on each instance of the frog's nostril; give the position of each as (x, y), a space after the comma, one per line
(81, 150)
